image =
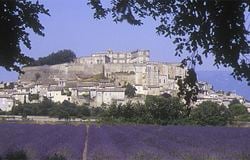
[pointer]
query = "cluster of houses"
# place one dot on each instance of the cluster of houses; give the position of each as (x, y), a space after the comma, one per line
(92, 93)
(99, 80)
(206, 93)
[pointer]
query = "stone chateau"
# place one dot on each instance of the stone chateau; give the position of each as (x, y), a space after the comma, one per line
(98, 80)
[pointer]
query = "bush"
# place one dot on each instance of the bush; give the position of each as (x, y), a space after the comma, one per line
(56, 157)
(243, 117)
(238, 109)
(61, 56)
(211, 113)
(130, 90)
(33, 97)
(16, 155)
(83, 111)
(156, 110)
(48, 108)
(234, 101)
(164, 110)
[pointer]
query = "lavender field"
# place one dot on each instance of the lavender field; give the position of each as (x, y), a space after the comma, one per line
(127, 142)
(40, 141)
(168, 143)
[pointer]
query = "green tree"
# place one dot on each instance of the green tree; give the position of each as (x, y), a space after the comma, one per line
(61, 56)
(238, 109)
(32, 97)
(211, 113)
(83, 111)
(188, 89)
(164, 110)
(16, 17)
(130, 90)
(234, 101)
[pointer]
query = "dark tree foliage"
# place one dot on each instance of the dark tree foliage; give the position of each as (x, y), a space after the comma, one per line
(211, 113)
(10, 86)
(62, 56)
(130, 90)
(200, 27)
(156, 110)
(32, 97)
(166, 95)
(16, 16)
(238, 109)
(188, 89)
(234, 101)
(16, 155)
(164, 109)
(65, 110)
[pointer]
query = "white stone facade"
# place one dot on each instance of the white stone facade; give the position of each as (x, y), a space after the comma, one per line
(109, 95)
(6, 103)
(138, 56)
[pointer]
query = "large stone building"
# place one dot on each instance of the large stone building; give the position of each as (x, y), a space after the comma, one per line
(120, 67)
(138, 56)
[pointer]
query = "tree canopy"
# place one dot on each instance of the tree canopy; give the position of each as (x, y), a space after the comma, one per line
(211, 113)
(62, 56)
(130, 90)
(238, 109)
(16, 16)
(199, 27)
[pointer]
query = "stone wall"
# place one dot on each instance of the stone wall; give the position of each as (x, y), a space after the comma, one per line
(153, 74)
(72, 71)
(118, 68)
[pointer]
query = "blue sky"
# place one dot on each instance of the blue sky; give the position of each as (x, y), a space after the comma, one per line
(72, 26)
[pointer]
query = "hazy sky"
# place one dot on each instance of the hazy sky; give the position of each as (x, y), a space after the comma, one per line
(72, 26)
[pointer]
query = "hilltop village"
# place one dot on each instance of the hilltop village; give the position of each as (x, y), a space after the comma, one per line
(101, 79)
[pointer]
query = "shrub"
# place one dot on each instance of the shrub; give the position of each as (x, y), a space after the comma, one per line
(56, 157)
(243, 117)
(234, 101)
(156, 110)
(130, 90)
(238, 109)
(33, 97)
(16, 155)
(211, 113)
(83, 111)
(164, 110)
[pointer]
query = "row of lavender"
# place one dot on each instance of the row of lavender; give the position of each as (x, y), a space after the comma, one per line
(127, 142)
(137, 142)
(41, 141)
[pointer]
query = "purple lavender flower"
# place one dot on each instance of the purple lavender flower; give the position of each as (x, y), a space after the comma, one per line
(168, 142)
(40, 141)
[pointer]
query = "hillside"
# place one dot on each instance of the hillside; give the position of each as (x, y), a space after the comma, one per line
(222, 80)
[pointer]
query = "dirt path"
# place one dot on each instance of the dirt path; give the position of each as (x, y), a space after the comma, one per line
(84, 155)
